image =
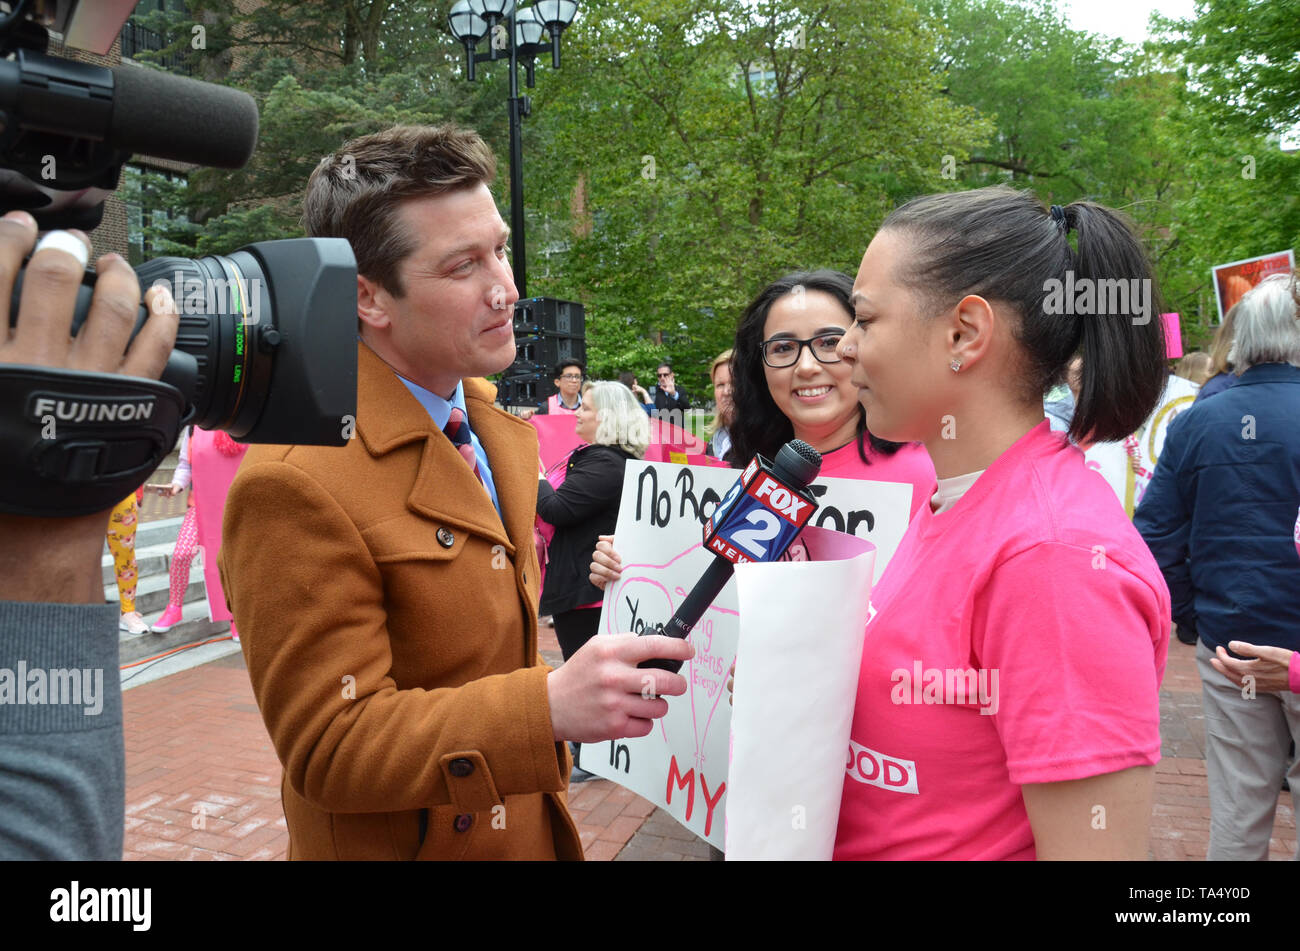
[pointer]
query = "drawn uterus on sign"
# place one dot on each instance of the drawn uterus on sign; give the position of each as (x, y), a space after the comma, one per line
(644, 602)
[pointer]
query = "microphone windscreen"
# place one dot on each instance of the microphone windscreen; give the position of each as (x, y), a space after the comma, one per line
(797, 463)
(174, 117)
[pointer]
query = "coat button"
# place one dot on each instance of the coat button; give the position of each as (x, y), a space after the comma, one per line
(460, 767)
(445, 538)
(463, 822)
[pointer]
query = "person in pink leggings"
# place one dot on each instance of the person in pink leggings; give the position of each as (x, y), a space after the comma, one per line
(210, 460)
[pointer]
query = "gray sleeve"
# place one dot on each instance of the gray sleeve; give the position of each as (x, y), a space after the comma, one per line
(62, 760)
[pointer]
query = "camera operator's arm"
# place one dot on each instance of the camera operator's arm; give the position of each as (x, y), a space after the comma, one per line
(62, 772)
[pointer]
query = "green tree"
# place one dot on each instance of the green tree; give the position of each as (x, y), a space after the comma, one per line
(1083, 116)
(1238, 88)
(718, 144)
(321, 72)
(1241, 56)
(1056, 94)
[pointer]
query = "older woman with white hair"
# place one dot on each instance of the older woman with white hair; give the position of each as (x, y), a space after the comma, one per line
(1219, 516)
(586, 506)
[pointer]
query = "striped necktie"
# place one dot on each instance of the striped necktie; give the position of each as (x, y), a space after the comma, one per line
(457, 430)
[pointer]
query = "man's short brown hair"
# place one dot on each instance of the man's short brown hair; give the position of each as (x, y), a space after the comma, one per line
(356, 192)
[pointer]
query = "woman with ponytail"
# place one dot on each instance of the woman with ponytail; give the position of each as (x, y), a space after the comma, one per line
(1008, 703)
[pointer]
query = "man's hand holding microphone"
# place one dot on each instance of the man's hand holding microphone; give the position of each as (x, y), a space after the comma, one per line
(600, 693)
(772, 495)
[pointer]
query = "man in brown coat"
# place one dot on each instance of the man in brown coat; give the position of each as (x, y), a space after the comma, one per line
(386, 592)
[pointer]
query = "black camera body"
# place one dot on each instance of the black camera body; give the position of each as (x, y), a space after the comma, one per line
(266, 348)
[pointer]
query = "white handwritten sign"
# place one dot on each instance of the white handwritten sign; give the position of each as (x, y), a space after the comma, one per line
(682, 764)
(1128, 466)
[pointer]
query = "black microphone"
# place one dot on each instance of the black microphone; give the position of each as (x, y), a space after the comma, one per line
(126, 109)
(757, 520)
(173, 117)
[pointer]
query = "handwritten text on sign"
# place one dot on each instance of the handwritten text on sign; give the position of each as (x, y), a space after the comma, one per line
(681, 765)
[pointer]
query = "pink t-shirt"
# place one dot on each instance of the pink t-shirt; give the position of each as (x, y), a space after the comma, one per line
(1019, 637)
(555, 408)
(910, 464)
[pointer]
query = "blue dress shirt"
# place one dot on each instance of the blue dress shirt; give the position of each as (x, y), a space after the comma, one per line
(440, 411)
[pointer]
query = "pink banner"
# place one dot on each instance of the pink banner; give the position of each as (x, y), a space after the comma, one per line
(662, 452)
(556, 439)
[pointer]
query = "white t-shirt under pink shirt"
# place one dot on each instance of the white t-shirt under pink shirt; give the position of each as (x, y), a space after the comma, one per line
(1017, 637)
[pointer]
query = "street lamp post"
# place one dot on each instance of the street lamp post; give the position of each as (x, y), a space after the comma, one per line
(471, 21)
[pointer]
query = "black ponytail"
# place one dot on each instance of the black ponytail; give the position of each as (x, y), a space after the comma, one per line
(1124, 368)
(1004, 245)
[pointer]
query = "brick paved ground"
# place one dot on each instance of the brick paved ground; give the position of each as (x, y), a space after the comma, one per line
(195, 740)
(197, 754)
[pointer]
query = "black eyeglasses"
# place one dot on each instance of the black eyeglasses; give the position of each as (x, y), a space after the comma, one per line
(669, 373)
(571, 376)
(781, 352)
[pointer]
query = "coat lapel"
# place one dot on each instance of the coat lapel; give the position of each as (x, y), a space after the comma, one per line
(446, 489)
(511, 446)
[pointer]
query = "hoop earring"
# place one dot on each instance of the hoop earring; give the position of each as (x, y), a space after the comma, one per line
(955, 366)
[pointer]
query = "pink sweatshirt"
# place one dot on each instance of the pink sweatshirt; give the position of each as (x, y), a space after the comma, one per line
(1019, 637)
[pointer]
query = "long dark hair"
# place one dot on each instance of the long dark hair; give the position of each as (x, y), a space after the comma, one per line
(1003, 244)
(759, 424)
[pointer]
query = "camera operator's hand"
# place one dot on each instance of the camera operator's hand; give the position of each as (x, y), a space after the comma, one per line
(57, 559)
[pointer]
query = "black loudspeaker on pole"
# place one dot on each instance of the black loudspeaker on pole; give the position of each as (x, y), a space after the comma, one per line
(547, 331)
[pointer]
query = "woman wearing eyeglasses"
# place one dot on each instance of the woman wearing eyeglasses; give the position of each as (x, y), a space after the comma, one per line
(789, 383)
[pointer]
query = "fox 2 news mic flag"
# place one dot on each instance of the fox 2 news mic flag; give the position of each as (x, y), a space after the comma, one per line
(681, 766)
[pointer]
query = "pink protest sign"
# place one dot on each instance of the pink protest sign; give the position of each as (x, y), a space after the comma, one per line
(665, 433)
(1173, 336)
(663, 452)
(556, 438)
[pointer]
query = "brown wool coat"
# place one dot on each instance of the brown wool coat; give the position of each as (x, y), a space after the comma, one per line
(389, 624)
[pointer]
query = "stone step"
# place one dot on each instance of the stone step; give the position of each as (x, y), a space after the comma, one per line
(194, 627)
(151, 593)
(160, 532)
(149, 561)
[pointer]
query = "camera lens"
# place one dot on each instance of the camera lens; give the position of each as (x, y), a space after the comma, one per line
(225, 316)
(267, 344)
